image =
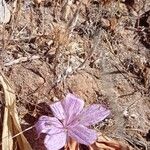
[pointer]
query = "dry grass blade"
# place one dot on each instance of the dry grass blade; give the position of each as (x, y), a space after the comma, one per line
(11, 124)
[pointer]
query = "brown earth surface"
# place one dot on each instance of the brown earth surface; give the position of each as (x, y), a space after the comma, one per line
(99, 50)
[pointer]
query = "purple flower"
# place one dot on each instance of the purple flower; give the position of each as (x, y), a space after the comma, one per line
(70, 120)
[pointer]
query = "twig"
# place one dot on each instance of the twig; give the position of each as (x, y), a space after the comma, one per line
(20, 60)
(19, 133)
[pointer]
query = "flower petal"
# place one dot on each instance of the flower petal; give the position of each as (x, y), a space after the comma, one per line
(93, 114)
(55, 142)
(49, 125)
(72, 106)
(82, 134)
(58, 110)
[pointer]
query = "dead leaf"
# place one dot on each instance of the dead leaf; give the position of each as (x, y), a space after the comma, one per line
(103, 143)
(11, 125)
(4, 12)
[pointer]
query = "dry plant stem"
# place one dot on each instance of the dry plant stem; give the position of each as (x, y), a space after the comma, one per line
(71, 145)
(138, 132)
(3, 36)
(16, 10)
(43, 21)
(15, 13)
(19, 133)
(66, 9)
(22, 59)
(73, 21)
(90, 53)
(132, 142)
(21, 30)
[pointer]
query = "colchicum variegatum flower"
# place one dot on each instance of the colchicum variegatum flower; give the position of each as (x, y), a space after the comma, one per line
(70, 120)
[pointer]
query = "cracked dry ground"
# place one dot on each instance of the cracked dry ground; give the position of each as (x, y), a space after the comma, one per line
(100, 50)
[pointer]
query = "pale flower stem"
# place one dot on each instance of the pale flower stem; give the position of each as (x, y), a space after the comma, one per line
(67, 143)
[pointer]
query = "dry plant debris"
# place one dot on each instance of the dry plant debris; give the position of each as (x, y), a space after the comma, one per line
(103, 143)
(11, 124)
